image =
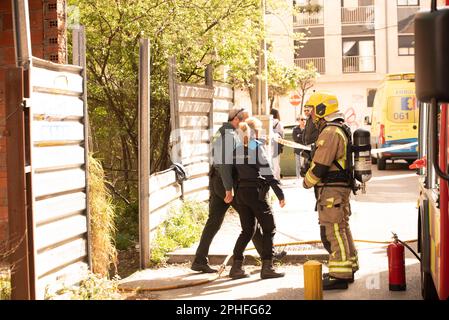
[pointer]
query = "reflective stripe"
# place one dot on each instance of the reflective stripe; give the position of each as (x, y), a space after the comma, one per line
(340, 270)
(340, 263)
(311, 179)
(330, 202)
(340, 242)
(342, 161)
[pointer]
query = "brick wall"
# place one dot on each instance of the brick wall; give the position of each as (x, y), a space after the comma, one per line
(48, 39)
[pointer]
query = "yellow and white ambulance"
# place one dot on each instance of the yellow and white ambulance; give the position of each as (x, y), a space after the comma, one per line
(394, 119)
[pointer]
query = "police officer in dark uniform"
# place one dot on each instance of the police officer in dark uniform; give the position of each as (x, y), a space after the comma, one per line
(255, 177)
(221, 184)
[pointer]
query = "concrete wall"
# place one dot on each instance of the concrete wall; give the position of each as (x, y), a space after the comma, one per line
(48, 42)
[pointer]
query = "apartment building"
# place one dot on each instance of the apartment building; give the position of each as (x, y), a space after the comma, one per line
(353, 44)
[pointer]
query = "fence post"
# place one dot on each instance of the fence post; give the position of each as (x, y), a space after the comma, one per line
(79, 59)
(22, 35)
(17, 210)
(210, 83)
(176, 152)
(144, 152)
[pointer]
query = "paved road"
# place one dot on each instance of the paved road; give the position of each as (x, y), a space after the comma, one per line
(389, 205)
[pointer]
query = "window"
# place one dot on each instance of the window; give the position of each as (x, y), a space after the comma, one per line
(408, 3)
(406, 45)
(54, 57)
(359, 55)
(356, 3)
(370, 97)
(406, 28)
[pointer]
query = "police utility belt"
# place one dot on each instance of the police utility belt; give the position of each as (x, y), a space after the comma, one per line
(261, 184)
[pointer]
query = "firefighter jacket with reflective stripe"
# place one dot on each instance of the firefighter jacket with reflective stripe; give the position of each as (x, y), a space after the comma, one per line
(331, 145)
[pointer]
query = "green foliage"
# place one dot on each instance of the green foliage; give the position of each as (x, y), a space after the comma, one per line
(197, 33)
(306, 80)
(127, 222)
(181, 230)
(5, 285)
(283, 79)
(93, 287)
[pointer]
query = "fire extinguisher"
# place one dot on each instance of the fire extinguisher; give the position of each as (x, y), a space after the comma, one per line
(396, 265)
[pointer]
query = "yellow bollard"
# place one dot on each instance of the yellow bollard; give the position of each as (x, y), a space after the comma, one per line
(313, 283)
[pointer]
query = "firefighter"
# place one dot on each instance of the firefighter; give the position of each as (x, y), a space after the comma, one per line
(330, 176)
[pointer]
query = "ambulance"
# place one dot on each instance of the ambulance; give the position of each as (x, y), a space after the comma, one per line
(394, 119)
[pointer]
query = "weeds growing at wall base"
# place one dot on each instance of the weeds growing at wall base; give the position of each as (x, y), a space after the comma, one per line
(181, 230)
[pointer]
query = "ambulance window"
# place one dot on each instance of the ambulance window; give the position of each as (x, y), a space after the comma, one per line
(402, 109)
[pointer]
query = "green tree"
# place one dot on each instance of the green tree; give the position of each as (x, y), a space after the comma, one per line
(305, 80)
(196, 32)
(281, 79)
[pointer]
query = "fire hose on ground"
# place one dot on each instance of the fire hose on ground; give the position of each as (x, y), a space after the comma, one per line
(226, 260)
(394, 250)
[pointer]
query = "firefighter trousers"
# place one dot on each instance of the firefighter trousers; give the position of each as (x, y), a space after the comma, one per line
(334, 211)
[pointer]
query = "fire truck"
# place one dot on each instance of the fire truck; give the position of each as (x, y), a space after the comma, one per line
(432, 91)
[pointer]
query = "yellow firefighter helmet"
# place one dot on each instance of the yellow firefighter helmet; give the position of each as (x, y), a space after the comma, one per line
(323, 103)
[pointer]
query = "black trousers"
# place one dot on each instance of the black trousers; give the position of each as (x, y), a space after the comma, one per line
(253, 209)
(217, 211)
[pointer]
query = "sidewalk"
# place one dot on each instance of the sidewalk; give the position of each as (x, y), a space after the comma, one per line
(389, 205)
(298, 221)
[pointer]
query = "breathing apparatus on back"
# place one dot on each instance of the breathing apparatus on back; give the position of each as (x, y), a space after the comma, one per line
(358, 147)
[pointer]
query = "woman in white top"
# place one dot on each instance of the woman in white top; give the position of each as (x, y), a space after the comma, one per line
(278, 130)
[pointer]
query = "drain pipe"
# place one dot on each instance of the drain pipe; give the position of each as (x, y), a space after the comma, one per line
(22, 35)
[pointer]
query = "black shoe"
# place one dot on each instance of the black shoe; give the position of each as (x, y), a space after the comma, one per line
(278, 256)
(237, 271)
(331, 283)
(326, 275)
(204, 268)
(268, 271)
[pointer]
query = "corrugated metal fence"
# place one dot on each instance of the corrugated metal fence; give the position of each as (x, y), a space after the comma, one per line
(47, 195)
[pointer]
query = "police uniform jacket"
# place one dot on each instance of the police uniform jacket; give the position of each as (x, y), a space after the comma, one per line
(253, 168)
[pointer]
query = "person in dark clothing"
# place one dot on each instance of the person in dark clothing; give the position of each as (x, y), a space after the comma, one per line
(221, 183)
(297, 137)
(308, 137)
(255, 177)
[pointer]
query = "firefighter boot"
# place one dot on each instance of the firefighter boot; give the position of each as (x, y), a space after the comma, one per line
(237, 271)
(268, 271)
(331, 283)
(326, 275)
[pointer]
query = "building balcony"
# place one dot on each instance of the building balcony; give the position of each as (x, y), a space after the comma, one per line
(308, 19)
(319, 63)
(359, 64)
(357, 15)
